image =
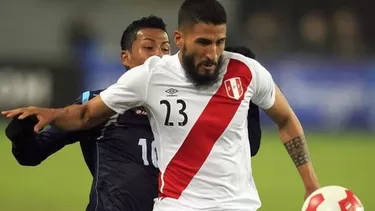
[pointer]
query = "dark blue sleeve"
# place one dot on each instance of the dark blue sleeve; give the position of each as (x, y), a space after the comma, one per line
(30, 149)
(35, 148)
(254, 130)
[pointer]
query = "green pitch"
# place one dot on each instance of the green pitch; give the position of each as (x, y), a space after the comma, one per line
(62, 183)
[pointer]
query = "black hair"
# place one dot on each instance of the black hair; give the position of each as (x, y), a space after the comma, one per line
(130, 34)
(241, 50)
(201, 11)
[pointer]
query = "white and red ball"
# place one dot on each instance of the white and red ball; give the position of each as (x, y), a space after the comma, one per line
(332, 198)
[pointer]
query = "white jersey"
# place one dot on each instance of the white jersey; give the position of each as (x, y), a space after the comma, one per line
(201, 134)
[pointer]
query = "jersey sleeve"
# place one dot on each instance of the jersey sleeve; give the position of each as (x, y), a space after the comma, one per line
(263, 87)
(130, 90)
(30, 149)
(86, 96)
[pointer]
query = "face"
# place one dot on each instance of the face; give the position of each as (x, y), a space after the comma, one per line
(149, 42)
(202, 46)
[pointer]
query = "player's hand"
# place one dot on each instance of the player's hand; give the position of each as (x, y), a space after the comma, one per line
(45, 116)
(20, 130)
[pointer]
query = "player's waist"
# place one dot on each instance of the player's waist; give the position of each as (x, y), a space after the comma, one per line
(200, 204)
(125, 163)
(206, 192)
(202, 194)
(122, 175)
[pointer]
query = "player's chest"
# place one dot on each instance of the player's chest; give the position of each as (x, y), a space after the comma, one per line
(181, 106)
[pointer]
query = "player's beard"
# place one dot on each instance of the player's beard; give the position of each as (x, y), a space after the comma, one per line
(191, 70)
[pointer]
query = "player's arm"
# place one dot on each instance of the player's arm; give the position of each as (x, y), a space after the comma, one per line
(292, 135)
(129, 91)
(269, 97)
(30, 148)
(79, 117)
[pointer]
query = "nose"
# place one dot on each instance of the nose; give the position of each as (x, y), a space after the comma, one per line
(212, 53)
(159, 52)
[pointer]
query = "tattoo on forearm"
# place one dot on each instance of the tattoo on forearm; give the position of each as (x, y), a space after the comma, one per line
(298, 151)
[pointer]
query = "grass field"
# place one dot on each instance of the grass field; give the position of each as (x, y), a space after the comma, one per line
(62, 182)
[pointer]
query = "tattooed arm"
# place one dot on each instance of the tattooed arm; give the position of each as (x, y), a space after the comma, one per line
(269, 97)
(297, 149)
(291, 134)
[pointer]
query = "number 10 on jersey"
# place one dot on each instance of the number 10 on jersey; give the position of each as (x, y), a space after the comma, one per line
(154, 155)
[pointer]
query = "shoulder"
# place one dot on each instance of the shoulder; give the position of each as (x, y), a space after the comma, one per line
(153, 67)
(150, 63)
(169, 66)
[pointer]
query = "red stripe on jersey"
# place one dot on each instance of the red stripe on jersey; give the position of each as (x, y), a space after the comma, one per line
(206, 131)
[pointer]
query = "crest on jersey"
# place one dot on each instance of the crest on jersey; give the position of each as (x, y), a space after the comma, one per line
(234, 88)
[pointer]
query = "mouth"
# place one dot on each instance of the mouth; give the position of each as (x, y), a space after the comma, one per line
(209, 67)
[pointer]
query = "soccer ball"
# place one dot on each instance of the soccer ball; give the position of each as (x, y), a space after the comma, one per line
(332, 198)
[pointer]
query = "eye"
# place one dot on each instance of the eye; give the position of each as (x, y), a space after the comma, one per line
(219, 42)
(203, 41)
(148, 47)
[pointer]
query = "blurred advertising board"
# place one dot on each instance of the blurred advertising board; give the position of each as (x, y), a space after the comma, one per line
(36, 83)
(99, 71)
(328, 95)
(101, 75)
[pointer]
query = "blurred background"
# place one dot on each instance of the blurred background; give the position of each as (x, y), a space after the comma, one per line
(321, 53)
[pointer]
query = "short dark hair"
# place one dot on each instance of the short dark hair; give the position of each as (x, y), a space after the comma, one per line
(197, 11)
(130, 33)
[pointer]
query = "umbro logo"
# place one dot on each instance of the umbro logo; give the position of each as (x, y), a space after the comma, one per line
(171, 92)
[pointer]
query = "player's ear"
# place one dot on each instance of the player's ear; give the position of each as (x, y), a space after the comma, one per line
(125, 57)
(178, 39)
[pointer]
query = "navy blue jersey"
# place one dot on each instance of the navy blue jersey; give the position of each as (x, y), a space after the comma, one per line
(120, 154)
(254, 130)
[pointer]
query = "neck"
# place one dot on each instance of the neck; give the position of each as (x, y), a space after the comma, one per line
(180, 56)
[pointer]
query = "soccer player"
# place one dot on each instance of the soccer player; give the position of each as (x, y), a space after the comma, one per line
(120, 153)
(197, 101)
